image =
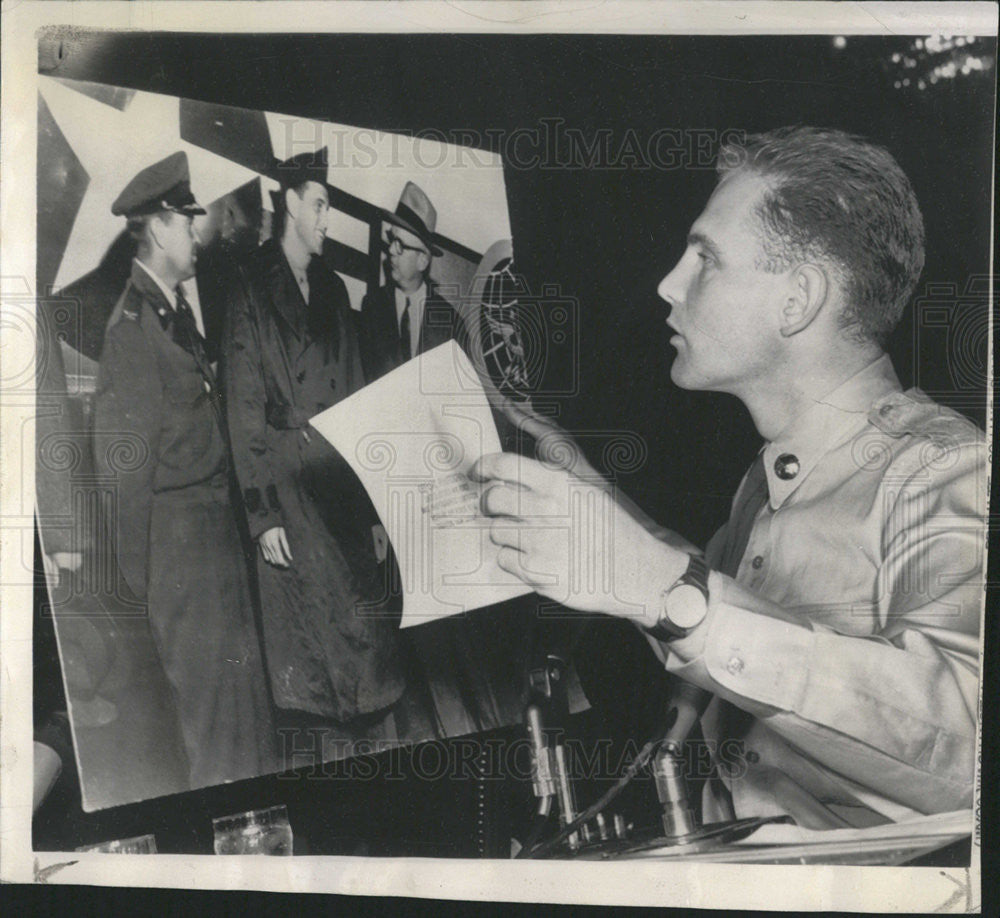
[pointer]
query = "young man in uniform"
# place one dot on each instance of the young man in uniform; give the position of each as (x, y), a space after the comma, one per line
(836, 616)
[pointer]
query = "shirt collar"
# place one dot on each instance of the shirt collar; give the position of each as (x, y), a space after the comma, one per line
(823, 425)
(171, 295)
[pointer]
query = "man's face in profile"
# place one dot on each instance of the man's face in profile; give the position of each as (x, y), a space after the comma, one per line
(176, 235)
(407, 258)
(724, 305)
(310, 214)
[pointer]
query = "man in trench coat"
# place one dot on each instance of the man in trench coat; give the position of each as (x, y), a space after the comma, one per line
(290, 351)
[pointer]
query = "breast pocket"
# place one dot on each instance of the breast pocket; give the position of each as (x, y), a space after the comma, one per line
(189, 426)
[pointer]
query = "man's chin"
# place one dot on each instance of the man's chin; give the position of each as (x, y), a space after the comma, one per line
(677, 374)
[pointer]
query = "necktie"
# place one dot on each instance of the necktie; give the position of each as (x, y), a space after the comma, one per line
(191, 339)
(404, 332)
(752, 498)
(186, 320)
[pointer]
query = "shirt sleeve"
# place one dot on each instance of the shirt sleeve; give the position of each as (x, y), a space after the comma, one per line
(895, 711)
(246, 404)
(127, 421)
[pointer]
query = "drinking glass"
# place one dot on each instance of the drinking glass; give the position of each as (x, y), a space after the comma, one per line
(256, 832)
(140, 844)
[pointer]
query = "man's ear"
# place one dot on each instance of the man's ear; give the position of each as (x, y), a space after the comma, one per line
(153, 227)
(424, 262)
(810, 288)
(292, 201)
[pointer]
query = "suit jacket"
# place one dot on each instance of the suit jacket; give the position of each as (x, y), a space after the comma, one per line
(379, 329)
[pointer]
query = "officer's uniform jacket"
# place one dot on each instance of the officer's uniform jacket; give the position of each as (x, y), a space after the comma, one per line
(158, 426)
(845, 653)
(159, 440)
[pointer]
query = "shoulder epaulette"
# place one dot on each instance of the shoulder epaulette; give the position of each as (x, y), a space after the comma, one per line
(913, 413)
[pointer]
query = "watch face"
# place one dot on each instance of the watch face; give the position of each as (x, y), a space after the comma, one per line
(686, 606)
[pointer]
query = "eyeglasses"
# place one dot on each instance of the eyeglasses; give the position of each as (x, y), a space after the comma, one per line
(395, 246)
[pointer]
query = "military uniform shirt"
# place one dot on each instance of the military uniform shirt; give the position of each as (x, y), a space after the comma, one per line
(845, 653)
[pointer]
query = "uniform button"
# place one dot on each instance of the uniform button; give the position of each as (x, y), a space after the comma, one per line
(786, 466)
(753, 757)
(735, 666)
(333, 384)
(885, 410)
(758, 562)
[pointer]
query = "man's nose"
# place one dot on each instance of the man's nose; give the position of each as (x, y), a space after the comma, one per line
(671, 288)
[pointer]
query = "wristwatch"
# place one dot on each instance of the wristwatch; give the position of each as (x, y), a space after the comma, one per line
(684, 604)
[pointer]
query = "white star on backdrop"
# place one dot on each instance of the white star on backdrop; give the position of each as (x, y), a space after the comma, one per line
(112, 147)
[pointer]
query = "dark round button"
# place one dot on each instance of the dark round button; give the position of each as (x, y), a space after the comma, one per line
(333, 384)
(786, 466)
(753, 757)
(757, 563)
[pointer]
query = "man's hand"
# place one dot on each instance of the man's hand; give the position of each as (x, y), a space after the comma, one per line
(274, 547)
(571, 541)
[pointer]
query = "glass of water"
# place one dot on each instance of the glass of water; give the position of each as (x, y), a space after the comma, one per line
(256, 832)
(141, 844)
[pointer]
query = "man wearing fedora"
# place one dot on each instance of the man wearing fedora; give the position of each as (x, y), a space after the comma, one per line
(290, 351)
(159, 434)
(404, 318)
(407, 316)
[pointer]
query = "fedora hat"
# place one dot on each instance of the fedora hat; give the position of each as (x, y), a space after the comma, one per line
(416, 214)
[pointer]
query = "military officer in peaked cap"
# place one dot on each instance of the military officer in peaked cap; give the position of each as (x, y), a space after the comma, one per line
(160, 434)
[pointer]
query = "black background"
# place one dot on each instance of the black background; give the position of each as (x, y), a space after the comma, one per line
(606, 236)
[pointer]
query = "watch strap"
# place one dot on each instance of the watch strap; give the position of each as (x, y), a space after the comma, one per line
(695, 575)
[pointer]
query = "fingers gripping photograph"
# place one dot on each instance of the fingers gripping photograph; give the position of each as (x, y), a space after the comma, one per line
(559, 470)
